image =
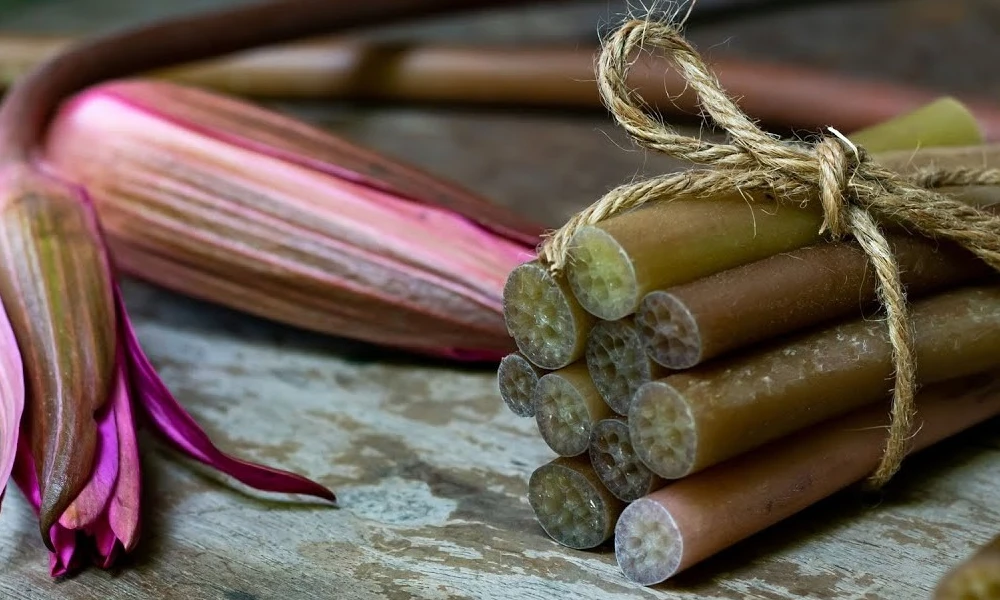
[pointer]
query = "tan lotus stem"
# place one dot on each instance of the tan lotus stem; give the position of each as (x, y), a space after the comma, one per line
(696, 517)
(700, 417)
(688, 324)
(572, 505)
(613, 264)
(618, 363)
(517, 379)
(616, 463)
(544, 318)
(976, 578)
(566, 407)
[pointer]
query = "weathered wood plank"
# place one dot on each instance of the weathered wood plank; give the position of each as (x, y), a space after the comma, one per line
(431, 473)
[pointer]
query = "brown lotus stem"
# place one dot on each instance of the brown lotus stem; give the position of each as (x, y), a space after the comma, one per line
(613, 264)
(517, 379)
(696, 517)
(544, 76)
(566, 407)
(976, 578)
(618, 362)
(688, 324)
(572, 505)
(616, 463)
(697, 418)
(34, 97)
(547, 323)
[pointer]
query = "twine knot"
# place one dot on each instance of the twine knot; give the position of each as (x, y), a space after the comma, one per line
(855, 192)
(836, 167)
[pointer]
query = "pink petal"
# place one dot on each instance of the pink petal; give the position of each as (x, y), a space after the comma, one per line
(93, 500)
(123, 511)
(179, 429)
(11, 398)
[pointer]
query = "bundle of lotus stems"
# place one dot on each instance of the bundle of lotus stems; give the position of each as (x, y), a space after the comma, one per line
(705, 369)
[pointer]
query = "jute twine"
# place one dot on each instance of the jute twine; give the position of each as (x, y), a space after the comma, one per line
(856, 194)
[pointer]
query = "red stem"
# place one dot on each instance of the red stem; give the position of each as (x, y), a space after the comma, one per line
(33, 99)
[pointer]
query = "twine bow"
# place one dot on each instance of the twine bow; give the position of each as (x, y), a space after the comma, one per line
(856, 194)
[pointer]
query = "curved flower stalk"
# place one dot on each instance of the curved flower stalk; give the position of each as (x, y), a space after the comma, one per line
(225, 201)
(77, 462)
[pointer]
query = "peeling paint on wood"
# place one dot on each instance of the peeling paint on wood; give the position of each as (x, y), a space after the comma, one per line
(433, 498)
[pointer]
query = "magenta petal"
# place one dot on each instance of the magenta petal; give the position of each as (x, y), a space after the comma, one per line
(65, 559)
(11, 398)
(172, 422)
(107, 544)
(24, 474)
(95, 496)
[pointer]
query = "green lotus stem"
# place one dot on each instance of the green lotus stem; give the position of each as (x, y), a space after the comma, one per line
(572, 505)
(517, 379)
(547, 323)
(612, 265)
(567, 404)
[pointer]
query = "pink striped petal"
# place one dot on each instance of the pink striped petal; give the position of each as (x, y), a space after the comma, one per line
(123, 511)
(271, 134)
(179, 429)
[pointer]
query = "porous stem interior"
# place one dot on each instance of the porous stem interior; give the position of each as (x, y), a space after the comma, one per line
(568, 506)
(648, 543)
(517, 379)
(545, 320)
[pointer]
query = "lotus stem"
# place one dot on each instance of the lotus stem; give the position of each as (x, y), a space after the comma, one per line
(542, 315)
(618, 363)
(572, 505)
(691, 519)
(616, 462)
(517, 379)
(612, 265)
(566, 407)
(700, 417)
(689, 324)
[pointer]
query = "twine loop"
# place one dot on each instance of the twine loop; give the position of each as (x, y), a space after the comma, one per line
(856, 193)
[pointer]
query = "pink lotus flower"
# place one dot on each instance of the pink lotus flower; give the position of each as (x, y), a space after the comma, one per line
(75, 456)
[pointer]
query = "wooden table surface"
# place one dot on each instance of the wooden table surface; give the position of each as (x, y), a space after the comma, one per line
(430, 468)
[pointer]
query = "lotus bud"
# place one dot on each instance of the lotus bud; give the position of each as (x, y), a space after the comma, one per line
(227, 202)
